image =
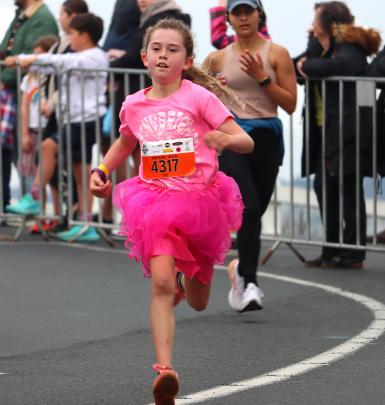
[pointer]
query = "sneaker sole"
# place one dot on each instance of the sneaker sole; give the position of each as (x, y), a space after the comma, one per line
(251, 306)
(165, 389)
(230, 271)
(80, 239)
(313, 265)
(231, 268)
(341, 266)
(230, 301)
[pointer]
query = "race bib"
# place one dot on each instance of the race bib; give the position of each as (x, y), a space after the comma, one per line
(170, 158)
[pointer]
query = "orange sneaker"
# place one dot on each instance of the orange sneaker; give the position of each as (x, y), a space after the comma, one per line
(50, 225)
(166, 385)
(34, 228)
(47, 225)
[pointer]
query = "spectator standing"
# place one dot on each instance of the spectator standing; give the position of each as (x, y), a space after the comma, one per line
(124, 25)
(32, 20)
(261, 74)
(345, 49)
(32, 119)
(152, 11)
(218, 25)
(85, 30)
(29, 204)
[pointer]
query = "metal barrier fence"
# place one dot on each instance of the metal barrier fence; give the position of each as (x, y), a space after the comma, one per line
(342, 101)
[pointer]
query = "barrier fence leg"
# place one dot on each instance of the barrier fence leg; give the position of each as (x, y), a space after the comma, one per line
(275, 246)
(296, 252)
(270, 252)
(22, 224)
(104, 235)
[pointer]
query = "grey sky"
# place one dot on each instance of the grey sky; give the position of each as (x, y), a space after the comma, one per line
(288, 21)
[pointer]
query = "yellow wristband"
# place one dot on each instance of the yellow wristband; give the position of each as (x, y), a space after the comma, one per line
(104, 169)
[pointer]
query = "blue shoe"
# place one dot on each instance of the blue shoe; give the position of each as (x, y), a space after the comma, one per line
(25, 206)
(89, 235)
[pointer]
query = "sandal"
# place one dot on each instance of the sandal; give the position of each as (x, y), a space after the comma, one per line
(166, 385)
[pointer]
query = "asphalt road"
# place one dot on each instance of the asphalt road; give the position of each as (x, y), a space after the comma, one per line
(74, 330)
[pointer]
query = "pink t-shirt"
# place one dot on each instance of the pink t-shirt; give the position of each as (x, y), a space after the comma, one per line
(190, 112)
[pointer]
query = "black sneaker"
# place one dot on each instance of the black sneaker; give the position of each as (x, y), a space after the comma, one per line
(317, 262)
(346, 263)
(324, 263)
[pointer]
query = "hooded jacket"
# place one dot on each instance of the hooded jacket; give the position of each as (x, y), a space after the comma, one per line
(349, 48)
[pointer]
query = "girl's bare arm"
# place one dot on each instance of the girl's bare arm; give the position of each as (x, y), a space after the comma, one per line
(229, 136)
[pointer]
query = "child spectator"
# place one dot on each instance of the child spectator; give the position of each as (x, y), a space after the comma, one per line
(32, 119)
(86, 105)
(47, 173)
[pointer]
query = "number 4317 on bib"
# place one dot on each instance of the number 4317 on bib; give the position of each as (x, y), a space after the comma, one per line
(170, 158)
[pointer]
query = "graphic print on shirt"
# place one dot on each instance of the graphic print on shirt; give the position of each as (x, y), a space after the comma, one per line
(168, 141)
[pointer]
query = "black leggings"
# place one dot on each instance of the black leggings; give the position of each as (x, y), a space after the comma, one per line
(255, 174)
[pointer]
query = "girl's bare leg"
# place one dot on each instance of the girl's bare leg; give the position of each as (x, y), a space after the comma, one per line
(162, 313)
(197, 294)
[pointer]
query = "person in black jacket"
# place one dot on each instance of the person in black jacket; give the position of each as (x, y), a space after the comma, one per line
(124, 24)
(152, 11)
(123, 27)
(345, 48)
(126, 54)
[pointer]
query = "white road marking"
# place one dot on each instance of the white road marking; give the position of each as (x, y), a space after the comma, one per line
(120, 251)
(367, 336)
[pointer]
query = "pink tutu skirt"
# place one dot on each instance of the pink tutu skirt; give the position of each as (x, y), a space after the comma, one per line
(192, 226)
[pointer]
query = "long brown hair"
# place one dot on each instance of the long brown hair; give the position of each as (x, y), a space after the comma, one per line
(333, 13)
(194, 74)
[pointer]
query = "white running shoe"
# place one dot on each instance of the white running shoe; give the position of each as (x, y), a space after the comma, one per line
(237, 286)
(252, 298)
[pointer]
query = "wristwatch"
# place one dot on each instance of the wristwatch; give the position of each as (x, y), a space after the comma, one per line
(265, 81)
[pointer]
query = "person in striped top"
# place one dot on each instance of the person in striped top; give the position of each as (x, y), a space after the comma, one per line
(218, 26)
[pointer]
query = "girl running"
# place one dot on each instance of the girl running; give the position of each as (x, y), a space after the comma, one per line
(178, 212)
